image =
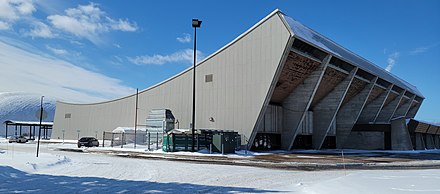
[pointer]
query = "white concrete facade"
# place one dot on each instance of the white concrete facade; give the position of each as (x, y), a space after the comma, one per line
(243, 72)
(273, 64)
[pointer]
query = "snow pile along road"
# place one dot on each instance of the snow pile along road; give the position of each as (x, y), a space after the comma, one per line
(76, 172)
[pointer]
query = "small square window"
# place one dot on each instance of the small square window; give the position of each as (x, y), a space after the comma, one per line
(208, 78)
(68, 116)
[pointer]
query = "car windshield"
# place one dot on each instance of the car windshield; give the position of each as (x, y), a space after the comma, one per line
(86, 138)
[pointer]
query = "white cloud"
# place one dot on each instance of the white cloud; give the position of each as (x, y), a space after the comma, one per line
(24, 7)
(122, 25)
(4, 25)
(76, 42)
(185, 38)
(56, 50)
(119, 59)
(89, 22)
(23, 70)
(40, 30)
(423, 49)
(12, 10)
(116, 45)
(419, 50)
(391, 61)
(179, 56)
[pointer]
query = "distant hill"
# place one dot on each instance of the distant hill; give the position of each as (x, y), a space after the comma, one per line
(23, 107)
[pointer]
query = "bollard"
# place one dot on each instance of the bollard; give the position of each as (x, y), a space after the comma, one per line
(210, 148)
(122, 140)
(113, 138)
(148, 141)
(157, 140)
(245, 151)
(198, 145)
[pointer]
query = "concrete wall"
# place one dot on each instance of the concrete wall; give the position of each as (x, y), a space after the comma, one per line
(365, 140)
(400, 137)
(243, 72)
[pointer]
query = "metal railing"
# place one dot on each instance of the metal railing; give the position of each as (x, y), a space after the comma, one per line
(147, 140)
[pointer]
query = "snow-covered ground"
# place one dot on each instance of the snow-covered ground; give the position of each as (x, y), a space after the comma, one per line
(74, 172)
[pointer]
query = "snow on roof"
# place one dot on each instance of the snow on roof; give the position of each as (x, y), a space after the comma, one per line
(13, 122)
(306, 34)
(429, 123)
(125, 129)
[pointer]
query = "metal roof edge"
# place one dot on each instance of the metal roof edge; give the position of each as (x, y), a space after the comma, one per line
(274, 12)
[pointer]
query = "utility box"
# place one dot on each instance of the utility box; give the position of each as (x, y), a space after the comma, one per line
(224, 142)
(160, 120)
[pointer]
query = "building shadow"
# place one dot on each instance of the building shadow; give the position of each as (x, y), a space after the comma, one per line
(16, 181)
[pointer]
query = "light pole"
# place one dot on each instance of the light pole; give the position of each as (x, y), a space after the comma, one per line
(196, 24)
(63, 130)
(136, 116)
(39, 130)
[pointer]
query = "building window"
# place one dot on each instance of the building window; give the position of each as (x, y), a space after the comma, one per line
(208, 78)
(67, 116)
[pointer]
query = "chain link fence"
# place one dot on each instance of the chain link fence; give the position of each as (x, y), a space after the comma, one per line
(147, 140)
(154, 140)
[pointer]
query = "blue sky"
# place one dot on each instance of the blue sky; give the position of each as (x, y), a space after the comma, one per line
(68, 49)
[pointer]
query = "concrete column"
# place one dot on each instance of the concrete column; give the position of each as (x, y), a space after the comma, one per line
(430, 134)
(402, 111)
(325, 111)
(420, 142)
(436, 141)
(388, 111)
(295, 106)
(349, 114)
(413, 111)
(400, 138)
(430, 144)
(370, 112)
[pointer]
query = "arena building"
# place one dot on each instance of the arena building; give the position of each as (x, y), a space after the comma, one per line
(278, 83)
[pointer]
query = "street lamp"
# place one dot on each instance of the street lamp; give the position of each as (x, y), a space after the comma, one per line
(39, 130)
(195, 24)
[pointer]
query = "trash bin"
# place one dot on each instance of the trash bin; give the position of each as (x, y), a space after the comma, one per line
(224, 142)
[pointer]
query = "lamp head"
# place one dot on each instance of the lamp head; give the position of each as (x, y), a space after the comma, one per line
(196, 23)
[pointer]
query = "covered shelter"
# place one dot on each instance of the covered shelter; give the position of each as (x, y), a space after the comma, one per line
(27, 128)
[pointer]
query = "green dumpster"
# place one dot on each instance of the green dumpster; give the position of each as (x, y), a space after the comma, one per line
(176, 142)
(224, 142)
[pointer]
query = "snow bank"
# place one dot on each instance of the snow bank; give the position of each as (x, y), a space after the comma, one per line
(77, 172)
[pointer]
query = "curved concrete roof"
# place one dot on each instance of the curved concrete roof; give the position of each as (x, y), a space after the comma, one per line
(310, 36)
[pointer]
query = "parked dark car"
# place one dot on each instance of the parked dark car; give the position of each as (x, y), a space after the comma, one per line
(18, 139)
(88, 142)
